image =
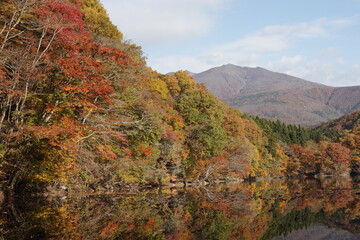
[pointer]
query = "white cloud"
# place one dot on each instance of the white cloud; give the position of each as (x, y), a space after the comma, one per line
(343, 22)
(321, 72)
(163, 21)
(291, 60)
(258, 42)
(329, 51)
(175, 63)
(356, 66)
(289, 65)
(253, 48)
(202, 62)
(342, 61)
(330, 74)
(280, 37)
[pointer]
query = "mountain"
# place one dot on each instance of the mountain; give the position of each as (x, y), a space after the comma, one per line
(272, 95)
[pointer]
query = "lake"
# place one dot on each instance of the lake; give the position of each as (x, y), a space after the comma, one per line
(278, 209)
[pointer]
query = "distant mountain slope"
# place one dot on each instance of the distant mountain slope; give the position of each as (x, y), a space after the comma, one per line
(272, 95)
(348, 122)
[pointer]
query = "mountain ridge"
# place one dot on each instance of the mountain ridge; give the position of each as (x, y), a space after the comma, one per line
(273, 95)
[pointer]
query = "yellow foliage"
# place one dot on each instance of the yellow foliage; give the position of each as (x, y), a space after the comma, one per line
(98, 20)
(233, 122)
(172, 84)
(185, 80)
(284, 159)
(158, 85)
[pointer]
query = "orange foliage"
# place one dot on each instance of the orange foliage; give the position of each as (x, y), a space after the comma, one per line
(303, 160)
(150, 224)
(106, 152)
(233, 122)
(335, 158)
(108, 231)
(147, 151)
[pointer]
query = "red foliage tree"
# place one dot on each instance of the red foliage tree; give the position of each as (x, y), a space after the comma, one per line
(335, 158)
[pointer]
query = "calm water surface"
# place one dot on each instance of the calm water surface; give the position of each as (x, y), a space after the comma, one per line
(311, 209)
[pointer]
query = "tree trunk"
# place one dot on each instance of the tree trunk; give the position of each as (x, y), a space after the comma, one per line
(14, 180)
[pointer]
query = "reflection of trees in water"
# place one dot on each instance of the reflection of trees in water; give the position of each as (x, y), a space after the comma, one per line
(283, 225)
(260, 210)
(356, 178)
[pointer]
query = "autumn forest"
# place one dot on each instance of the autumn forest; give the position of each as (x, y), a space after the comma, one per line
(81, 111)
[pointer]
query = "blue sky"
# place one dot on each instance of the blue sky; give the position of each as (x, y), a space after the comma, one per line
(318, 40)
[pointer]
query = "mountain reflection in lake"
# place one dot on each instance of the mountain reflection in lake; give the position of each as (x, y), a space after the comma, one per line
(295, 209)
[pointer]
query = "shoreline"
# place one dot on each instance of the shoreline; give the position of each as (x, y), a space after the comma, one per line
(133, 189)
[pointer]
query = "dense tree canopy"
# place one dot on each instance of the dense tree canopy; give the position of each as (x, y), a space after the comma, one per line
(79, 105)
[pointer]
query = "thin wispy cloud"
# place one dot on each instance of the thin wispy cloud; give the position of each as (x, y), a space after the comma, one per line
(157, 22)
(279, 37)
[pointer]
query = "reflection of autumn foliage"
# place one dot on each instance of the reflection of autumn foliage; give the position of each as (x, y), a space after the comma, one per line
(261, 210)
(45, 222)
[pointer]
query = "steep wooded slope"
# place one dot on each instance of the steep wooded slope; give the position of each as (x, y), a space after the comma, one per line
(79, 107)
(346, 130)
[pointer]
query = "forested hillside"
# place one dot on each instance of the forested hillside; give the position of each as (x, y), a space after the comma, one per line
(79, 105)
(81, 111)
(330, 149)
(346, 130)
